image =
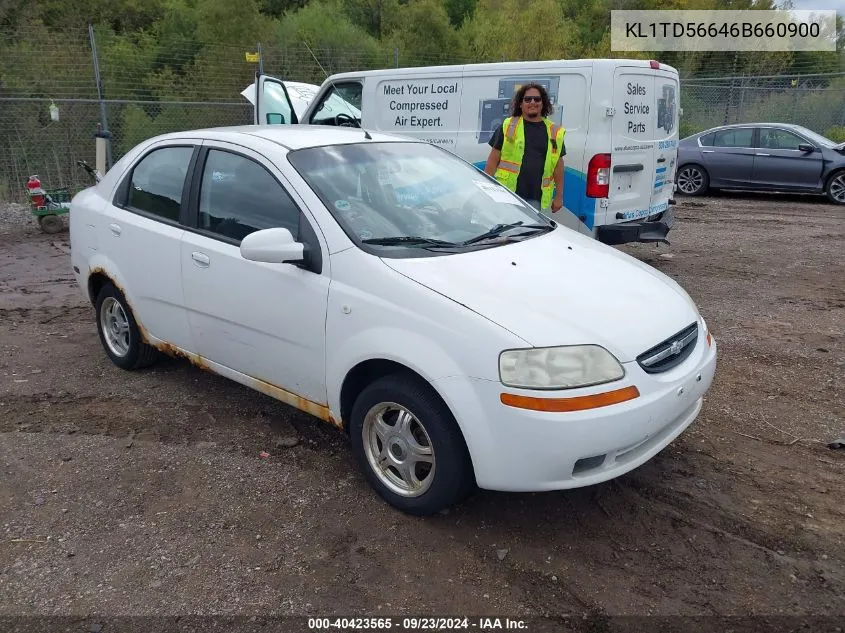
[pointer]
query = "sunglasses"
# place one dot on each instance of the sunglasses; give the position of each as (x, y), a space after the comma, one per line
(529, 99)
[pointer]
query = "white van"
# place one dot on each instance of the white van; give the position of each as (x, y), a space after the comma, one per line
(620, 115)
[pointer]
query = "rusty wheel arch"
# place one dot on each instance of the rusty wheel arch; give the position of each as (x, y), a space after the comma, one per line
(98, 278)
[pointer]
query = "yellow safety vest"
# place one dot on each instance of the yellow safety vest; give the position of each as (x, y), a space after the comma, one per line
(513, 148)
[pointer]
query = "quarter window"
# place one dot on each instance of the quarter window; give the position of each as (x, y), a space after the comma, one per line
(733, 138)
(158, 180)
(779, 139)
(238, 197)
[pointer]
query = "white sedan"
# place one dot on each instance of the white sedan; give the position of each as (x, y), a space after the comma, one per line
(459, 337)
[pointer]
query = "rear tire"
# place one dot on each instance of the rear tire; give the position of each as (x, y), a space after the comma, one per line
(119, 333)
(50, 223)
(409, 446)
(835, 188)
(692, 180)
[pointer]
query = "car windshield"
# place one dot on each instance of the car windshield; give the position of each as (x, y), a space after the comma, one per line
(816, 138)
(397, 196)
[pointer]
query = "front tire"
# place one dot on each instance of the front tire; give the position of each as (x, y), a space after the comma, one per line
(835, 188)
(409, 446)
(119, 333)
(692, 180)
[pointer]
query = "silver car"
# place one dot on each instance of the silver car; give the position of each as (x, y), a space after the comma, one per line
(762, 157)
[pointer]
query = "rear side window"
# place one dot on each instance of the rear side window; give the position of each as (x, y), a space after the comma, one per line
(158, 180)
(239, 196)
(707, 139)
(733, 138)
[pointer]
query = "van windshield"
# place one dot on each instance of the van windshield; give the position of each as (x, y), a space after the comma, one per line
(397, 196)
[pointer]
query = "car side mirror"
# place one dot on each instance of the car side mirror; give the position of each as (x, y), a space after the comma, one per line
(272, 246)
(274, 118)
(805, 147)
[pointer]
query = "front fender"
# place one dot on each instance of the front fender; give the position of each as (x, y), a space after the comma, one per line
(406, 347)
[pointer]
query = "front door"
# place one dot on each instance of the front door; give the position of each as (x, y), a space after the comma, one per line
(263, 320)
(778, 161)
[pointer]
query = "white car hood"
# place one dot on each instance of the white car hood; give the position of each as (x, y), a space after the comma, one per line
(561, 289)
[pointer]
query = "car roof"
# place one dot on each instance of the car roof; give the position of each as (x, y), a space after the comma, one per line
(791, 126)
(290, 137)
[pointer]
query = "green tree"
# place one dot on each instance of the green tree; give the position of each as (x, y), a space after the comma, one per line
(376, 17)
(459, 10)
(515, 30)
(338, 44)
(424, 35)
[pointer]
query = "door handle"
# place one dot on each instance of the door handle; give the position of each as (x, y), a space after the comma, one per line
(115, 228)
(201, 259)
(761, 154)
(707, 151)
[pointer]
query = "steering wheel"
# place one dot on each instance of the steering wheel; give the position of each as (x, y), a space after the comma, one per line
(341, 119)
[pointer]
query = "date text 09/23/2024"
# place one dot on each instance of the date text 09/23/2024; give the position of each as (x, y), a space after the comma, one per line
(417, 624)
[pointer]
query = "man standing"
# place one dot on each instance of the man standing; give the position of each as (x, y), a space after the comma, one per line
(527, 151)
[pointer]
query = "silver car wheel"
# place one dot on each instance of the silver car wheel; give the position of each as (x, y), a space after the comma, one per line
(115, 326)
(690, 180)
(837, 188)
(398, 449)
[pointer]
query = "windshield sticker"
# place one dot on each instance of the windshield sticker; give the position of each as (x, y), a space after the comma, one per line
(342, 205)
(496, 192)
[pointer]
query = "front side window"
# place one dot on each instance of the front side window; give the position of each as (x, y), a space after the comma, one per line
(733, 138)
(239, 196)
(395, 196)
(341, 105)
(158, 180)
(779, 139)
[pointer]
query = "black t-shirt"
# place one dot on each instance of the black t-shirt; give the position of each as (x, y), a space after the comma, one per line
(530, 180)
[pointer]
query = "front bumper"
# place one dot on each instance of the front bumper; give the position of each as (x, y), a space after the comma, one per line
(638, 231)
(520, 450)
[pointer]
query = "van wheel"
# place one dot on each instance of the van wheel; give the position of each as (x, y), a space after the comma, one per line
(409, 446)
(835, 189)
(119, 333)
(692, 180)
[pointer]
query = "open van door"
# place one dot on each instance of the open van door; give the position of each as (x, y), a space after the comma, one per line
(271, 102)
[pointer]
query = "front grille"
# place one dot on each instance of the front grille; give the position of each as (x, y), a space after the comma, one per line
(671, 352)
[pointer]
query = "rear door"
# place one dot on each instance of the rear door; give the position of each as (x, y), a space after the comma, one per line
(644, 142)
(730, 159)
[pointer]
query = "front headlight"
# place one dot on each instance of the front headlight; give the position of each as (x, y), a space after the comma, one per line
(558, 367)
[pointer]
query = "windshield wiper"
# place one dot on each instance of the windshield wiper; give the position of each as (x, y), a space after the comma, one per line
(501, 228)
(407, 240)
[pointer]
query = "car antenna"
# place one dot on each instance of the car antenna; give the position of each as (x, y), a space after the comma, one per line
(366, 134)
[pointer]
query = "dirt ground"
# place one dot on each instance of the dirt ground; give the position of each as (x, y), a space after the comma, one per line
(131, 493)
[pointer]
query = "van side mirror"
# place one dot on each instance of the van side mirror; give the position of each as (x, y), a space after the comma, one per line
(274, 118)
(806, 147)
(272, 246)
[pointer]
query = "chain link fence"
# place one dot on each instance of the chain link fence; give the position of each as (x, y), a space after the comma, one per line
(56, 91)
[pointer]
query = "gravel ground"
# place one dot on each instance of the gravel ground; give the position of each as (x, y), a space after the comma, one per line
(133, 493)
